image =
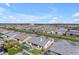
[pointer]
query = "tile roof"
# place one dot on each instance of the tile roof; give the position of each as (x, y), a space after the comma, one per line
(21, 36)
(62, 30)
(10, 34)
(65, 48)
(75, 32)
(41, 41)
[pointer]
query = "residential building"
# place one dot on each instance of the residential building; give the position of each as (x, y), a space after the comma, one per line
(21, 37)
(11, 34)
(74, 33)
(41, 42)
(63, 47)
(61, 31)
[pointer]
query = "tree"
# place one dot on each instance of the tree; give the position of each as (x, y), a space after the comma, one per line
(12, 51)
(11, 43)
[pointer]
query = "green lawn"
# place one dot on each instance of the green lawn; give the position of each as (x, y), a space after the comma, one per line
(35, 51)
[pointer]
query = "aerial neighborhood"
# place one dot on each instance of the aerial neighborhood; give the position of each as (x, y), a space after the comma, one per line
(39, 39)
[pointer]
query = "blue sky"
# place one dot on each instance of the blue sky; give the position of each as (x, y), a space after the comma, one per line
(39, 13)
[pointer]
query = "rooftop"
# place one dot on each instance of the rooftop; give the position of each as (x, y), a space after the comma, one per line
(65, 48)
(41, 41)
(21, 36)
(62, 30)
(11, 34)
(75, 32)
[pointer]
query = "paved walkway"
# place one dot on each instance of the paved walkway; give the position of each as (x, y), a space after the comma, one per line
(27, 52)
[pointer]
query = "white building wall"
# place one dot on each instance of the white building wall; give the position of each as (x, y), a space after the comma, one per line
(49, 43)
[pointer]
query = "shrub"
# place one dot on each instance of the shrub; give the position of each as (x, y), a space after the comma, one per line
(35, 51)
(12, 51)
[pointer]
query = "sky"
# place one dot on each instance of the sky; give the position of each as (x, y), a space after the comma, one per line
(44, 13)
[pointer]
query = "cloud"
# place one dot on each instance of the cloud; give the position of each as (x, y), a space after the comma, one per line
(55, 18)
(76, 19)
(7, 16)
(12, 17)
(53, 21)
(2, 10)
(54, 9)
(76, 14)
(8, 4)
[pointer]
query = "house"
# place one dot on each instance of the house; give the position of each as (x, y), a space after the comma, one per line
(63, 47)
(74, 33)
(11, 34)
(40, 42)
(21, 36)
(73, 28)
(4, 32)
(61, 31)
